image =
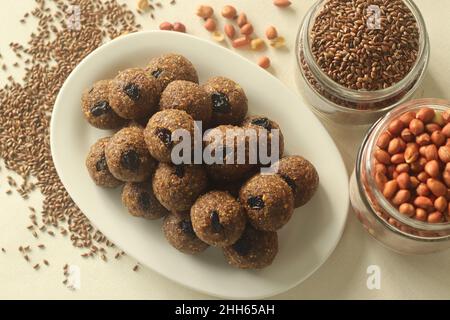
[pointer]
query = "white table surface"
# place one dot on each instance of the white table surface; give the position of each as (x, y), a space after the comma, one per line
(343, 276)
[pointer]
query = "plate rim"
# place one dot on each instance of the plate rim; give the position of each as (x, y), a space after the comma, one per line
(298, 97)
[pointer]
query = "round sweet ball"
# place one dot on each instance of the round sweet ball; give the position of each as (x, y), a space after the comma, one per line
(177, 187)
(134, 95)
(97, 166)
(268, 201)
(255, 249)
(218, 218)
(96, 108)
(229, 102)
(190, 97)
(224, 165)
(170, 67)
(127, 155)
(263, 127)
(301, 176)
(179, 233)
(140, 201)
(159, 132)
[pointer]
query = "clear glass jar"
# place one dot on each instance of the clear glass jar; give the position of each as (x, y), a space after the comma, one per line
(378, 216)
(339, 104)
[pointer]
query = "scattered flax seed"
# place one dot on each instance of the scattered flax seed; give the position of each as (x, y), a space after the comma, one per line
(35, 234)
(46, 262)
(117, 256)
(65, 281)
(41, 246)
(21, 249)
(51, 233)
(3, 250)
(16, 64)
(104, 258)
(36, 266)
(53, 51)
(136, 268)
(26, 258)
(66, 266)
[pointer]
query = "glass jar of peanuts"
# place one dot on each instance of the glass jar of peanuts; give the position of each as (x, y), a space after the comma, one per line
(400, 188)
(358, 59)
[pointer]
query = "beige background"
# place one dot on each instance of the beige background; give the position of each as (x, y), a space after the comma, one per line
(343, 276)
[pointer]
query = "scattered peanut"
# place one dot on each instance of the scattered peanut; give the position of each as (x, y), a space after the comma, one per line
(241, 42)
(179, 27)
(264, 62)
(282, 3)
(205, 12)
(247, 29)
(257, 44)
(210, 24)
(271, 33)
(229, 12)
(166, 26)
(242, 19)
(229, 30)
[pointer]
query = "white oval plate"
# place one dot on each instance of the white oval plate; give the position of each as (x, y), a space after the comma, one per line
(305, 243)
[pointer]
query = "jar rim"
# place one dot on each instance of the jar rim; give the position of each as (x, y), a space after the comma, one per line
(364, 96)
(367, 148)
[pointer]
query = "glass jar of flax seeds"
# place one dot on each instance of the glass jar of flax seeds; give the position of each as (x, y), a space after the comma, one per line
(358, 59)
